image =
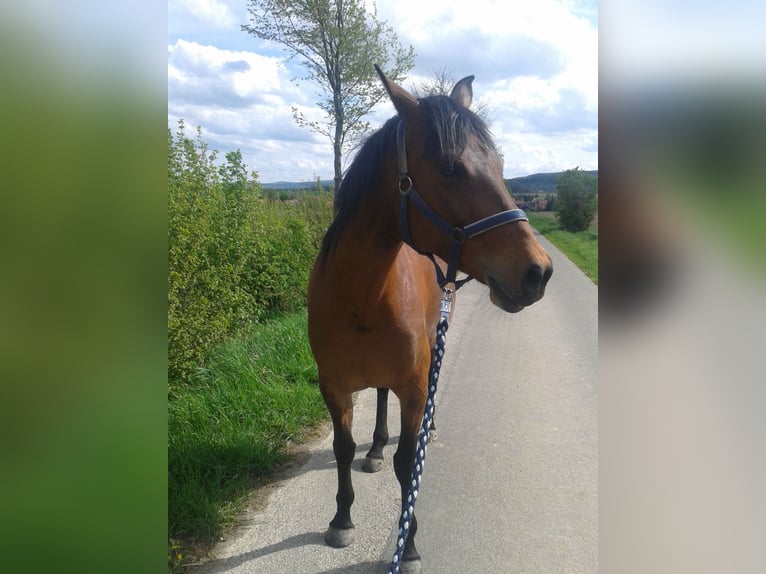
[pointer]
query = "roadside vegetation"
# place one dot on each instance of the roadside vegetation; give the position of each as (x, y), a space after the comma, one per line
(581, 247)
(569, 217)
(576, 199)
(230, 426)
(241, 378)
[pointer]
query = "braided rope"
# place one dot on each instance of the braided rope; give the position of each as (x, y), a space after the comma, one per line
(408, 507)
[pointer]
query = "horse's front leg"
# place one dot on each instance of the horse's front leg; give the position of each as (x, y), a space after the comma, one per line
(373, 462)
(412, 407)
(341, 407)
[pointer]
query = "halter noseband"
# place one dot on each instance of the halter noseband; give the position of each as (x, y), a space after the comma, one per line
(457, 235)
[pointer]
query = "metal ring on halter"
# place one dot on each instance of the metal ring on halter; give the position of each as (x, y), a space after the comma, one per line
(406, 179)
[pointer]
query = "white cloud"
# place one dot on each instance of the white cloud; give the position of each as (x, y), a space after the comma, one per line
(503, 40)
(246, 72)
(535, 62)
(243, 100)
(212, 12)
(201, 76)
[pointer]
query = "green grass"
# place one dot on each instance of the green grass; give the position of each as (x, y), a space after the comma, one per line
(230, 426)
(581, 247)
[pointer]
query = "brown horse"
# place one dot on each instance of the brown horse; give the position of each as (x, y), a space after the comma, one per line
(373, 300)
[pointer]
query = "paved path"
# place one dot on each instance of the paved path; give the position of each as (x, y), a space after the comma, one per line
(510, 486)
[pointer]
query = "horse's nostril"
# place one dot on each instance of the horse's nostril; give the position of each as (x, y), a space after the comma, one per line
(535, 279)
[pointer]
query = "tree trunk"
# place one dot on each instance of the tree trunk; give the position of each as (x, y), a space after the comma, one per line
(338, 140)
(337, 153)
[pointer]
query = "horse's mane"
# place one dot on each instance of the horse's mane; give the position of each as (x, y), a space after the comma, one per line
(449, 126)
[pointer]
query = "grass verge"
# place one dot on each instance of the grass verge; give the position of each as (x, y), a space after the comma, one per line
(581, 247)
(230, 426)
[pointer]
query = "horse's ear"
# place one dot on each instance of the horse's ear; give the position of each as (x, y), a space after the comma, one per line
(462, 93)
(404, 102)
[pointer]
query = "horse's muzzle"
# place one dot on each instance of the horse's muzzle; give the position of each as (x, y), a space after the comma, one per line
(533, 283)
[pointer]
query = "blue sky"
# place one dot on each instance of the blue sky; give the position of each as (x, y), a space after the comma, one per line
(536, 67)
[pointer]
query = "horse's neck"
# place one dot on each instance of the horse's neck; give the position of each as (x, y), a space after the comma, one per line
(365, 259)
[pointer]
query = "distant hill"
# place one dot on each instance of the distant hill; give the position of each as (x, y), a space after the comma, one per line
(535, 183)
(538, 182)
(296, 185)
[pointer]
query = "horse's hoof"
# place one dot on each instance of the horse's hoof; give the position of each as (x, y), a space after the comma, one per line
(410, 567)
(432, 436)
(339, 537)
(372, 464)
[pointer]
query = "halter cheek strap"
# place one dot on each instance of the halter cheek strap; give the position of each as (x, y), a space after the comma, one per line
(457, 235)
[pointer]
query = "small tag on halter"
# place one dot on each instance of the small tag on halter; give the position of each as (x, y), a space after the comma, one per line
(446, 303)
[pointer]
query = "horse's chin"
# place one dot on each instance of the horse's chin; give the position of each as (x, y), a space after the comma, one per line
(500, 299)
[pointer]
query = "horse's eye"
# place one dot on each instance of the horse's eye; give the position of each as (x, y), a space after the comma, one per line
(452, 169)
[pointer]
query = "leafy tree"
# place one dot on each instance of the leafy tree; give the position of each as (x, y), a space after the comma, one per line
(337, 41)
(576, 201)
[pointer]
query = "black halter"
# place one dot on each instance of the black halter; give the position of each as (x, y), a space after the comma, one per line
(457, 235)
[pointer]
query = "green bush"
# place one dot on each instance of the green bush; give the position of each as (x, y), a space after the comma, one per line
(234, 258)
(205, 239)
(576, 202)
(286, 237)
(274, 279)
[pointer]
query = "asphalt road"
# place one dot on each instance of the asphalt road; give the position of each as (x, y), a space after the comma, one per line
(511, 483)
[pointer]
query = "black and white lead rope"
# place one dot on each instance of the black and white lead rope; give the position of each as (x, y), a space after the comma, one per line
(408, 506)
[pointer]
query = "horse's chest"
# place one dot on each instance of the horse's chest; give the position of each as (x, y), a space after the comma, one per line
(360, 348)
(379, 343)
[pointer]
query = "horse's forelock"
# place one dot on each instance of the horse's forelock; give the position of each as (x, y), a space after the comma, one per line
(449, 128)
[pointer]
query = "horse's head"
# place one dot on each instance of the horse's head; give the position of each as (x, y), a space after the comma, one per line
(451, 160)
